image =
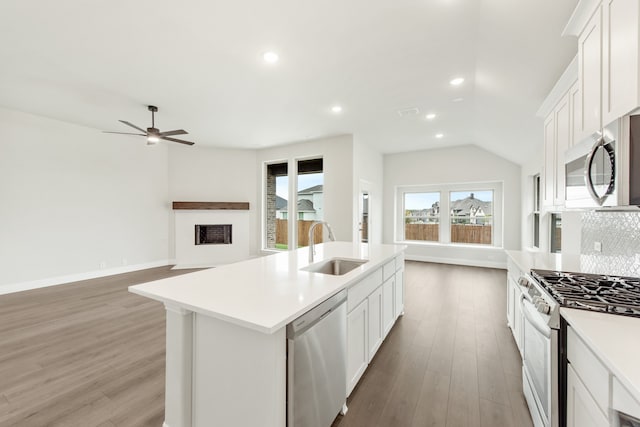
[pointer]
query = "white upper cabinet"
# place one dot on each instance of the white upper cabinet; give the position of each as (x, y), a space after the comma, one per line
(608, 57)
(590, 75)
(549, 160)
(575, 106)
(621, 92)
(562, 141)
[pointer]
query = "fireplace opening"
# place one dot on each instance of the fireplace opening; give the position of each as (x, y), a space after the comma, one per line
(213, 234)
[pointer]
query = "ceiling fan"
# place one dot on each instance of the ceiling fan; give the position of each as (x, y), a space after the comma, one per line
(153, 134)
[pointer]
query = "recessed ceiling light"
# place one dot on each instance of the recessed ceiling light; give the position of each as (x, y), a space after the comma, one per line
(430, 116)
(439, 135)
(457, 81)
(336, 109)
(270, 57)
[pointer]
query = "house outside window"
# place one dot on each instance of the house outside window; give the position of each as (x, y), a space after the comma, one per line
(422, 216)
(471, 216)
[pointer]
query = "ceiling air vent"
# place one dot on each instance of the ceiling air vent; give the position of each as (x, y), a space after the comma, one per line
(408, 112)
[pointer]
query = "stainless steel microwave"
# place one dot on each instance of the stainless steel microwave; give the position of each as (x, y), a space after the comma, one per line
(604, 170)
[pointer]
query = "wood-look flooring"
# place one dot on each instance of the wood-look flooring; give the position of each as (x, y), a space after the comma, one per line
(449, 361)
(92, 354)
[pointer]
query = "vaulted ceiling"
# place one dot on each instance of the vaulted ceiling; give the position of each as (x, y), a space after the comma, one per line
(201, 62)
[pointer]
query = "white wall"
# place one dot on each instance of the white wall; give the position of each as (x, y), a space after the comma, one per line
(337, 154)
(202, 174)
(72, 198)
(460, 164)
(368, 170)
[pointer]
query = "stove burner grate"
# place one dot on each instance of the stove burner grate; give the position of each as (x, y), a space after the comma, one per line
(608, 294)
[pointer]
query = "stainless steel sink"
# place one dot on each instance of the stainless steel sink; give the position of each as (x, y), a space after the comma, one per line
(335, 266)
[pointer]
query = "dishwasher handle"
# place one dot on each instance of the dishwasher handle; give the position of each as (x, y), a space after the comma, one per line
(316, 314)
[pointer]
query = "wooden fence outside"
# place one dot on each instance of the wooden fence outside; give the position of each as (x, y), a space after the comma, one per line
(425, 232)
(460, 233)
(282, 232)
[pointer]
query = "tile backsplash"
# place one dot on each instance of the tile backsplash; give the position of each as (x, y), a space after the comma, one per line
(619, 236)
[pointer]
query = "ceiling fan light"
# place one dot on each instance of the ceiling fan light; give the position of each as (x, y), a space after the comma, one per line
(152, 140)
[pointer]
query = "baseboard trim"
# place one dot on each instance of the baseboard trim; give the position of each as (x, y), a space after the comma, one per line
(458, 261)
(61, 280)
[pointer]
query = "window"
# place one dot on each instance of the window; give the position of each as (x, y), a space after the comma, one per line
(471, 217)
(422, 216)
(468, 214)
(536, 211)
(310, 192)
(276, 206)
(287, 220)
(556, 233)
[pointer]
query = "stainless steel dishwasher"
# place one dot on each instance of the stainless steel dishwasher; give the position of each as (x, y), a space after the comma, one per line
(317, 364)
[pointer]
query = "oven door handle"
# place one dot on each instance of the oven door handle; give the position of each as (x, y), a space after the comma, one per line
(533, 317)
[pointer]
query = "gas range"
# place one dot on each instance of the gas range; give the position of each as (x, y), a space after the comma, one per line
(594, 292)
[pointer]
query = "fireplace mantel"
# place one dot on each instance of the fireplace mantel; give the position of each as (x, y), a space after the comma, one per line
(238, 206)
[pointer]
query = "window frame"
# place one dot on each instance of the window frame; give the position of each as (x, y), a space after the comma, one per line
(292, 208)
(445, 217)
(535, 214)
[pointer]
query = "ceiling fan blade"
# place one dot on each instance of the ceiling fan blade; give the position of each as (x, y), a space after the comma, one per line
(173, 132)
(181, 141)
(133, 126)
(126, 133)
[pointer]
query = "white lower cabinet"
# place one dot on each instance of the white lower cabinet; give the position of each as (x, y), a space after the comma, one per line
(518, 321)
(387, 306)
(399, 293)
(376, 327)
(582, 410)
(514, 312)
(357, 344)
(373, 306)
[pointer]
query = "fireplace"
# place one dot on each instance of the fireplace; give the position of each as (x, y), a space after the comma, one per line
(213, 234)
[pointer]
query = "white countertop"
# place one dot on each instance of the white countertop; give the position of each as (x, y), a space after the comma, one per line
(526, 260)
(266, 293)
(614, 339)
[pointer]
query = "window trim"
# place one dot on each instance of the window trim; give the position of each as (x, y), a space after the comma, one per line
(537, 191)
(445, 190)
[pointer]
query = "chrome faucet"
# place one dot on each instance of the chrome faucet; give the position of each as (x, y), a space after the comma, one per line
(312, 249)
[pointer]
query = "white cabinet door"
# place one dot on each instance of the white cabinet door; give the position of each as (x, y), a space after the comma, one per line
(387, 305)
(562, 136)
(518, 320)
(620, 91)
(357, 346)
(376, 332)
(590, 75)
(511, 290)
(549, 160)
(582, 410)
(399, 294)
(575, 106)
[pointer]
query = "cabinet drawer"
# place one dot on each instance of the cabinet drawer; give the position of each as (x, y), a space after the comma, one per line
(361, 290)
(589, 369)
(623, 401)
(389, 269)
(400, 262)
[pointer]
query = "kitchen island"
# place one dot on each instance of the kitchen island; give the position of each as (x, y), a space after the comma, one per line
(226, 340)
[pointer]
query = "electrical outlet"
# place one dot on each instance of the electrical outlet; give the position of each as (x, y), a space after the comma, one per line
(597, 246)
(124, 261)
(103, 264)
